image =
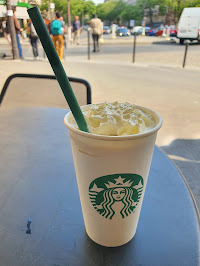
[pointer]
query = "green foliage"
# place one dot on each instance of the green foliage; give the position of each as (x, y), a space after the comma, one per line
(180, 5)
(82, 8)
(111, 10)
(45, 5)
(176, 6)
(132, 12)
(103, 10)
(89, 8)
(61, 5)
(114, 11)
(117, 10)
(79, 8)
(76, 7)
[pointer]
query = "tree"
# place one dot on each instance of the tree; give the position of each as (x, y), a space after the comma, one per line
(103, 10)
(115, 13)
(132, 12)
(111, 10)
(82, 8)
(146, 6)
(61, 5)
(45, 5)
(79, 8)
(179, 5)
(89, 8)
(174, 8)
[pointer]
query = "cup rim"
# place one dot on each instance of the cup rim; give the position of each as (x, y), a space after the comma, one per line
(116, 138)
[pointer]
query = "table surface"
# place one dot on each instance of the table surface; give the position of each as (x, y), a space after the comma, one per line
(37, 182)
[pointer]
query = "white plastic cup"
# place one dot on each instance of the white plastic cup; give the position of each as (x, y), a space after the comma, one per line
(112, 174)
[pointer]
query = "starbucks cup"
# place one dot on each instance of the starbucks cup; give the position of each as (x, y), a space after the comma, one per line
(112, 174)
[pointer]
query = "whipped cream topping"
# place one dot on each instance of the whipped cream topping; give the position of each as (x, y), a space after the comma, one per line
(117, 119)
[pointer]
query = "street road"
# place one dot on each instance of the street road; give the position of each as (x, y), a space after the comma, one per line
(164, 54)
(156, 53)
(127, 49)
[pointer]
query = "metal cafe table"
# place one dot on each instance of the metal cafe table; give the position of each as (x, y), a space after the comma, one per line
(38, 185)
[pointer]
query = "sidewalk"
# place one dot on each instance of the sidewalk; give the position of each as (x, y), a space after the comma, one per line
(107, 40)
(146, 40)
(150, 51)
(143, 40)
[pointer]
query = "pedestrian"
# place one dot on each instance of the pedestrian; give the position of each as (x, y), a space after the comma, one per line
(64, 31)
(49, 27)
(6, 33)
(33, 40)
(18, 30)
(76, 30)
(57, 37)
(96, 25)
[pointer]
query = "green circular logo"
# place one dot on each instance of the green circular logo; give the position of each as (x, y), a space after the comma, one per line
(117, 194)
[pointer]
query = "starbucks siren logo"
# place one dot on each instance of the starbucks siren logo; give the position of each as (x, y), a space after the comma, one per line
(116, 194)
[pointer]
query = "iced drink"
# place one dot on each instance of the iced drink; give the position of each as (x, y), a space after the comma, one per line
(112, 164)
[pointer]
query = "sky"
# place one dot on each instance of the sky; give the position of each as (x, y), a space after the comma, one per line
(98, 1)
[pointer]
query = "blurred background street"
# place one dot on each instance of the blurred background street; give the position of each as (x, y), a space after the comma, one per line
(150, 50)
(156, 79)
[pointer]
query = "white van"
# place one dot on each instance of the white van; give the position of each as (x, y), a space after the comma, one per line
(189, 24)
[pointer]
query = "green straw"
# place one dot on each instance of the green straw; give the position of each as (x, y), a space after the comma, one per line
(57, 67)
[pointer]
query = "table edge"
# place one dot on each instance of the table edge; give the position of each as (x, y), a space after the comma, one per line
(184, 179)
(159, 148)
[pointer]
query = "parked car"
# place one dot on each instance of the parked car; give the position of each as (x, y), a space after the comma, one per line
(159, 31)
(106, 30)
(149, 31)
(189, 25)
(173, 31)
(85, 27)
(137, 29)
(123, 32)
